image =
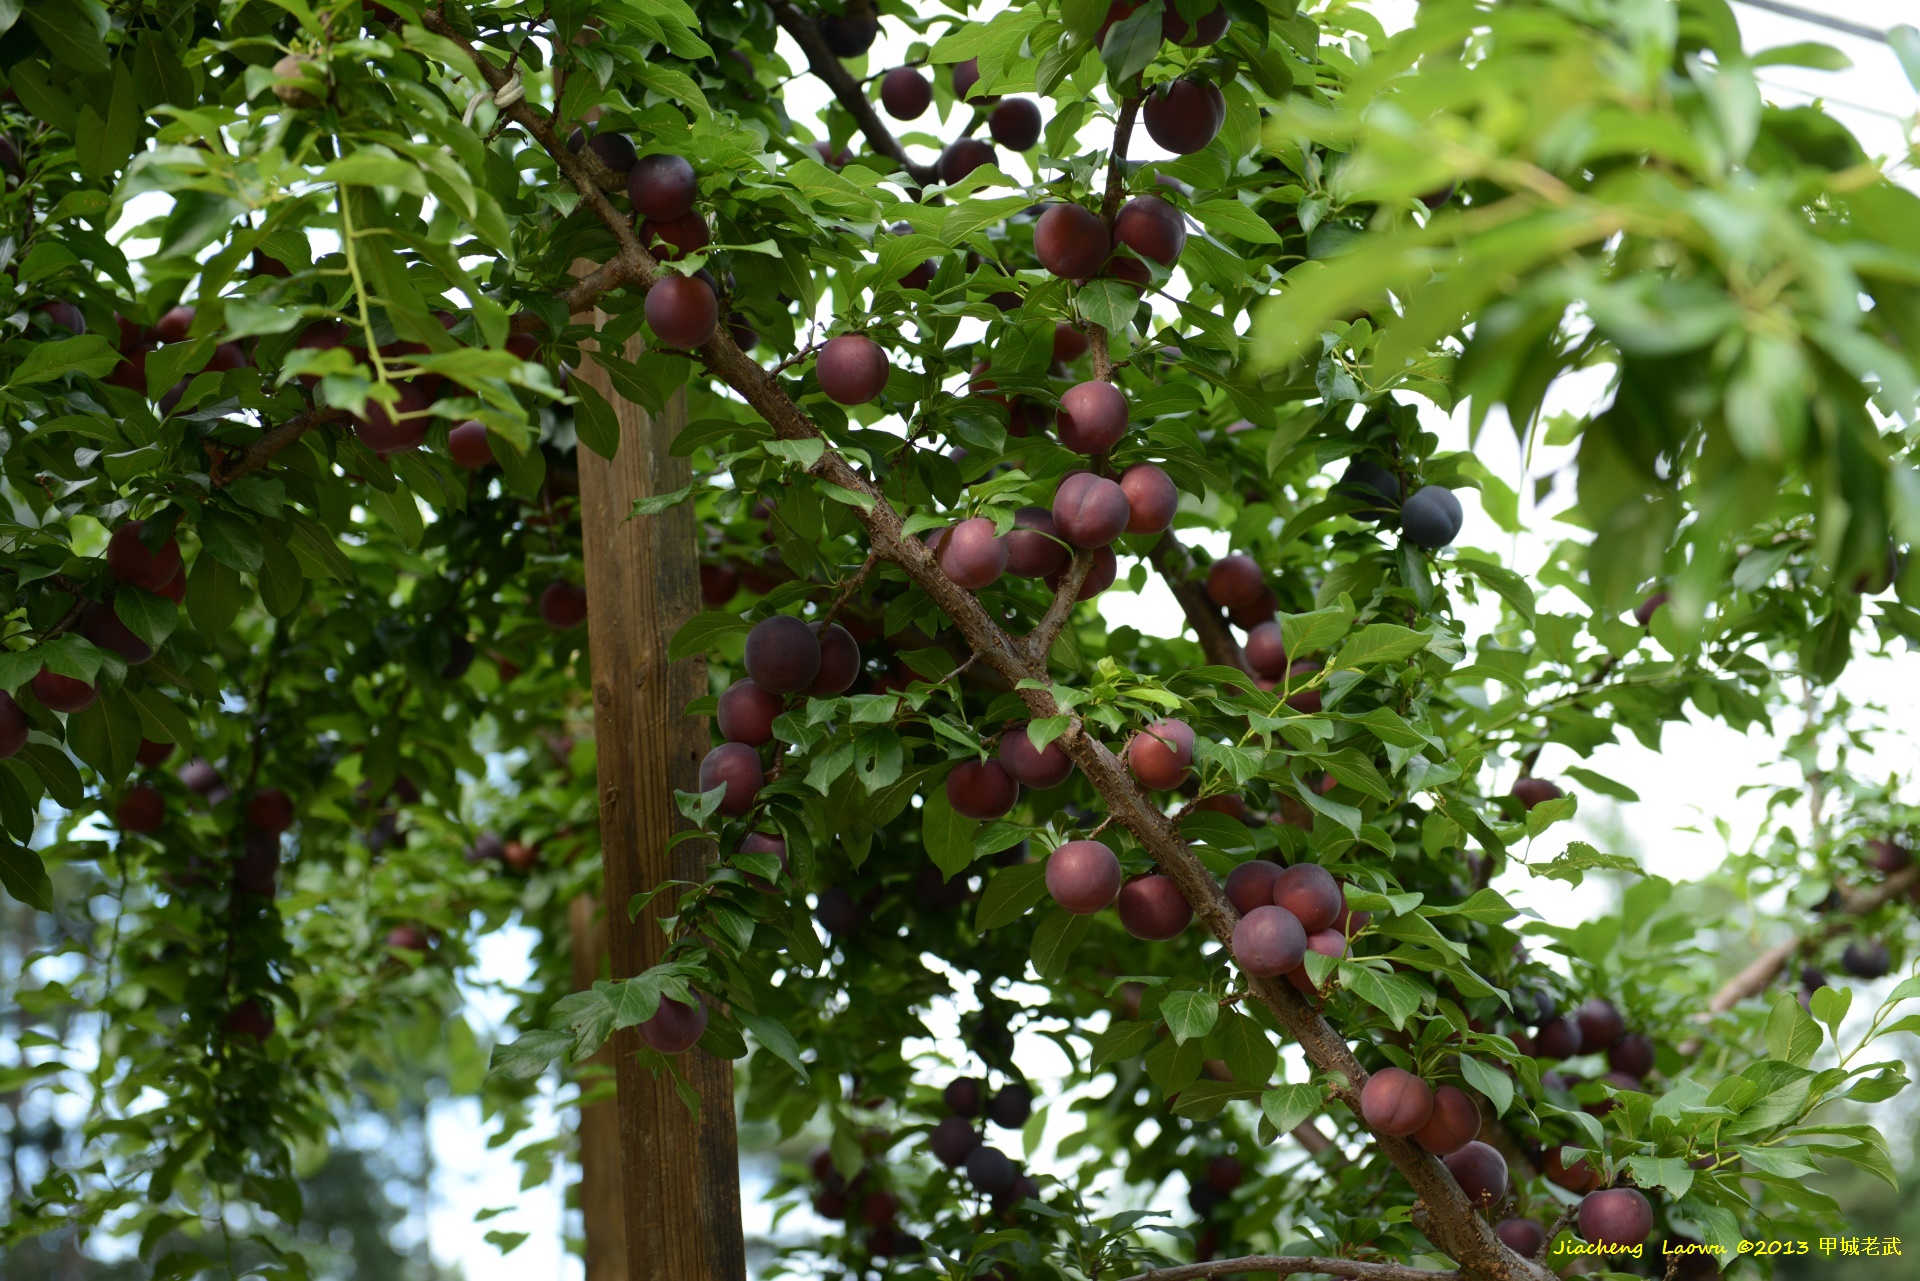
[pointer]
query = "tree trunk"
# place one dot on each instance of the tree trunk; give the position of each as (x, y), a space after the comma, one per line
(679, 1176)
(600, 1206)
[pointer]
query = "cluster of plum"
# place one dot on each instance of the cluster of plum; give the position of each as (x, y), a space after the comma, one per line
(1430, 517)
(1286, 913)
(1238, 585)
(1182, 115)
(784, 656)
(860, 1202)
(135, 560)
(957, 1142)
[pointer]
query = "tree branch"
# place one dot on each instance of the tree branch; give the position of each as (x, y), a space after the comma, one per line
(1287, 1265)
(257, 455)
(1760, 974)
(1170, 557)
(1460, 1231)
(1040, 643)
(823, 63)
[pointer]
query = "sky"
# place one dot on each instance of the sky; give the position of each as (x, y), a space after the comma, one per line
(1671, 828)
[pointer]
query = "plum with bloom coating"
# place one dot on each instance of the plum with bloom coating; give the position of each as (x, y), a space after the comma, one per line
(1083, 876)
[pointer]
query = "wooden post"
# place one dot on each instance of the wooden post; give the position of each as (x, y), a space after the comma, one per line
(602, 1213)
(680, 1178)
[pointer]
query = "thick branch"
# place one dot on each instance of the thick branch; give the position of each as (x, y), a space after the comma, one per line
(1287, 1265)
(1766, 967)
(823, 63)
(261, 451)
(1170, 557)
(1458, 1228)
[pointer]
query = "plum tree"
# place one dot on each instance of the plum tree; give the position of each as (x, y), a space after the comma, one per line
(1083, 876)
(1161, 754)
(602, 255)
(852, 369)
(1090, 511)
(1394, 1101)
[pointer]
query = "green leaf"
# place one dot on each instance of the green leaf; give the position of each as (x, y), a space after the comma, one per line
(1286, 1106)
(1669, 1172)
(105, 736)
(1510, 586)
(213, 596)
(1250, 1054)
(1547, 813)
(1231, 218)
(1486, 905)
(1109, 304)
(530, 1055)
(1131, 44)
(1122, 1040)
(24, 875)
(1398, 998)
(1792, 1035)
(88, 354)
(594, 420)
(774, 1036)
(1378, 643)
(947, 835)
(1204, 1100)
(698, 634)
(74, 32)
(1600, 783)
(1053, 942)
(1011, 893)
(1189, 1014)
(152, 618)
(1830, 1006)
(1495, 1084)
(1303, 634)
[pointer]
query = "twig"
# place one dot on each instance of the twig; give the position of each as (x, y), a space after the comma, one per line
(261, 451)
(823, 63)
(1054, 621)
(847, 593)
(1555, 1228)
(1170, 557)
(1287, 1265)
